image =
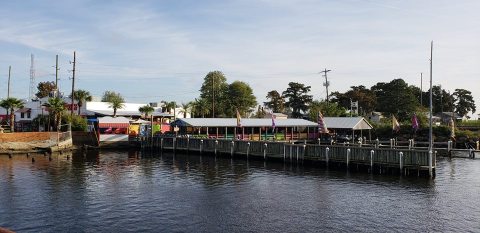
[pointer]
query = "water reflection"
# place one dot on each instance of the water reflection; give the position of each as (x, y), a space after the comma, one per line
(150, 191)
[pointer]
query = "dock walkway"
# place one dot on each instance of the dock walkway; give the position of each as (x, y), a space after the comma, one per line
(375, 159)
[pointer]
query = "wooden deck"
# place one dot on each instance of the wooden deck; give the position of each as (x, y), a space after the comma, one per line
(376, 160)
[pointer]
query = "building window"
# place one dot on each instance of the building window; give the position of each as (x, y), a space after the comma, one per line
(22, 115)
(29, 115)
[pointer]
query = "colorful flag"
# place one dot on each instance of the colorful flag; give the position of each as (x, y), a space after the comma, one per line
(239, 119)
(415, 124)
(395, 124)
(322, 127)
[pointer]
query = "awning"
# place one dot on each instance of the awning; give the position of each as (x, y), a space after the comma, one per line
(113, 125)
(24, 110)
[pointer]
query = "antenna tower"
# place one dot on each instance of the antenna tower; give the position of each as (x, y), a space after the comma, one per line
(31, 93)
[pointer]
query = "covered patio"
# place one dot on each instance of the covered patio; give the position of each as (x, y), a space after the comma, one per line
(249, 129)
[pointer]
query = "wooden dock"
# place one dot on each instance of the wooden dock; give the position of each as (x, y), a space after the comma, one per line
(374, 159)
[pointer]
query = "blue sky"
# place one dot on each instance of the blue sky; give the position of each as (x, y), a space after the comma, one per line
(161, 50)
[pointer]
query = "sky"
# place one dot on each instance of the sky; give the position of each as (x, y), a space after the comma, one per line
(151, 51)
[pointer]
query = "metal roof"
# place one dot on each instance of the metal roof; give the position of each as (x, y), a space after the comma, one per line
(247, 122)
(355, 123)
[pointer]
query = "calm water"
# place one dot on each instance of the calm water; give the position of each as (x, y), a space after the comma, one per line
(131, 191)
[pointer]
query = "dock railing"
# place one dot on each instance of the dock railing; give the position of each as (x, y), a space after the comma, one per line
(369, 155)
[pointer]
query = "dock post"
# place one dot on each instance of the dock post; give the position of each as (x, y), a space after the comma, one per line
(371, 159)
(318, 141)
(284, 151)
(326, 154)
(216, 143)
(470, 153)
(348, 156)
(248, 148)
(391, 142)
(231, 148)
(377, 143)
(409, 144)
(161, 144)
(265, 151)
(401, 162)
(449, 145)
(430, 162)
(478, 145)
(303, 153)
(188, 144)
(201, 146)
(175, 144)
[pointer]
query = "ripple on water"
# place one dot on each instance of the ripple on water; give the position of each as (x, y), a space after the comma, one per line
(131, 191)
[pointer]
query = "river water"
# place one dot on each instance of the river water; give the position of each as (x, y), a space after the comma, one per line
(119, 191)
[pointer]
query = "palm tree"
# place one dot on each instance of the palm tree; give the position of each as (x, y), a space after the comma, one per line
(81, 96)
(147, 109)
(55, 106)
(186, 107)
(11, 104)
(201, 107)
(115, 99)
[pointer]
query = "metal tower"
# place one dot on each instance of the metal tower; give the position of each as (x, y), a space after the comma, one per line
(31, 93)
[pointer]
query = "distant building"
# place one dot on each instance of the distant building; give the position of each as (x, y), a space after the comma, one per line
(375, 117)
(446, 116)
(277, 115)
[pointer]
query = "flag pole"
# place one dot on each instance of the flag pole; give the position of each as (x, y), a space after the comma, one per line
(430, 131)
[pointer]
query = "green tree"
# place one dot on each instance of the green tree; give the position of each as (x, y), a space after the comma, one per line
(395, 98)
(298, 98)
(45, 89)
(11, 104)
(327, 109)
(260, 113)
(185, 108)
(55, 107)
(464, 102)
(276, 103)
(240, 96)
(215, 90)
(78, 123)
(366, 98)
(81, 96)
(147, 110)
(201, 107)
(115, 99)
(442, 101)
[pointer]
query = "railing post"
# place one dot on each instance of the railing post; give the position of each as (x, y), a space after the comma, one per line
(175, 144)
(188, 144)
(326, 154)
(201, 146)
(430, 162)
(232, 145)
(265, 151)
(161, 144)
(318, 141)
(391, 142)
(377, 143)
(216, 144)
(248, 148)
(409, 144)
(449, 145)
(348, 156)
(371, 159)
(401, 163)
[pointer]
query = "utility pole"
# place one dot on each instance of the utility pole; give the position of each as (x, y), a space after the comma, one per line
(73, 83)
(441, 99)
(421, 89)
(31, 91)
(56, 76)
(430, 133)
(8, 88)
(213, 96)
(326, 83)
